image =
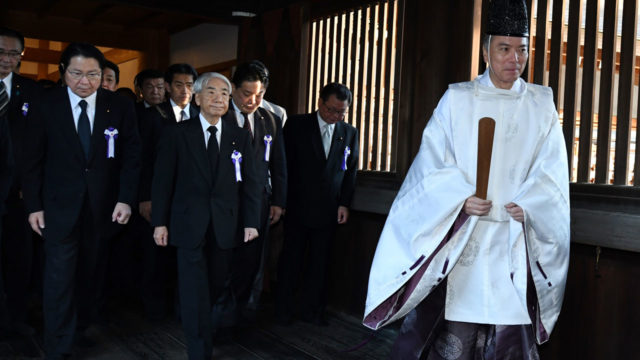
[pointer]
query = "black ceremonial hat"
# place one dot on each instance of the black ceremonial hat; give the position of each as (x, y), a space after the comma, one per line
(507, 18)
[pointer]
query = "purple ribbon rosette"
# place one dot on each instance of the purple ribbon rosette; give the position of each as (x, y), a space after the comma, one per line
(267, 146)
(236, 157)
(111, 134)
(347, 152)
(25, 109)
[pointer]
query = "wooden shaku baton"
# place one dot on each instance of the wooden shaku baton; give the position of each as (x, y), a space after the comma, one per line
(486, 127)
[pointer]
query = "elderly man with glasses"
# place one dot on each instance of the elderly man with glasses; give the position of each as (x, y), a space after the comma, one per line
(81, 173)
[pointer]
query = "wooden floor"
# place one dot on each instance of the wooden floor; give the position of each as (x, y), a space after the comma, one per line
(127, 335)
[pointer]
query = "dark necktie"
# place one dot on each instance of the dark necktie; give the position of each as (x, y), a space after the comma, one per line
(183, 115)
(4, 99)
(247, 124)
(84, 129)
(212, 148)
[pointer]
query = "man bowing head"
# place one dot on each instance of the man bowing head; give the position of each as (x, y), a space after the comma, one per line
(204, 188)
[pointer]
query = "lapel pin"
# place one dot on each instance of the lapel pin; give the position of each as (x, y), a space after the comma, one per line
(108, 110)
(233, 142)
(340, 138)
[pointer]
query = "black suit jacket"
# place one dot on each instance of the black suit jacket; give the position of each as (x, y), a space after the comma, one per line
(57, 178)
(318, 185)
(6, 163)
(187, 196)
(25, 97)
(152, 123)
(267, 123)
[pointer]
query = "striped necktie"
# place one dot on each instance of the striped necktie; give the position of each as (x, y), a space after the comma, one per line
(4, 99)
(247, 124)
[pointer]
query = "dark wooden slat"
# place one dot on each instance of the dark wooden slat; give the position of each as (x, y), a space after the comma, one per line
(339, 37)
(571, 74)
(625, 91)
(540, 60)
(605, 102)
(588, 89)
(331, 45)
(322, 58)
(310, 70)
(636, 160)
(366, 129)
(327, 46)
(361, 64)
(345, 55)
(555, 58)
(377, 100)
(354, 56)
(386, 116)
(399, 35)
(313, 72)
(527, 73)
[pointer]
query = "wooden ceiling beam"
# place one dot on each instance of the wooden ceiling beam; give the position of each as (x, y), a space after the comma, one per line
(45, 56)
(46, 8)
(120, 56)
(71, 29)
(145, 19)
(97, 12)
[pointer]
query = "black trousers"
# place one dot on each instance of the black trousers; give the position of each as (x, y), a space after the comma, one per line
(247, 260)
(72, 282)
(18, 259)
(203, 274)
(304, 258)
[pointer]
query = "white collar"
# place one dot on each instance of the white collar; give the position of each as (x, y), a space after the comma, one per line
(177, 107)
(75, 99)
(485, 79)
(205, 124)
(322, 123)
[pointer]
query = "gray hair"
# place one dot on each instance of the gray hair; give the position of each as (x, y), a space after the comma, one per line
(203, 80)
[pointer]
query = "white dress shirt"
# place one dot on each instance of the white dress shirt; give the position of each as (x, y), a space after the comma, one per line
(205, 126)
(322, 123)
(177, 110)
(8, 80)
(240, 117)
(76, 109)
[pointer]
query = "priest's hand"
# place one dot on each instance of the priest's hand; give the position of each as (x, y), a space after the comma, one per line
(476, 206)
(250, 234)
(515, 211)
(161, 235)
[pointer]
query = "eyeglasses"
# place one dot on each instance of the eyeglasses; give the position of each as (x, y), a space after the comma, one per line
(336, 111)
(91, 76)
(11, 54)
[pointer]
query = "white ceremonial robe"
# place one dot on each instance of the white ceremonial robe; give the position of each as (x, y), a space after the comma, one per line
(486, 259)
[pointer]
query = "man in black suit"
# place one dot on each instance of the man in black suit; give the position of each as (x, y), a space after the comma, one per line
(159, 263)
(250, 81)
(110, 76)
(204, 188)
(322, 157)
(149, 84)
(18, 242)
(6, 171)
(81, 173)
